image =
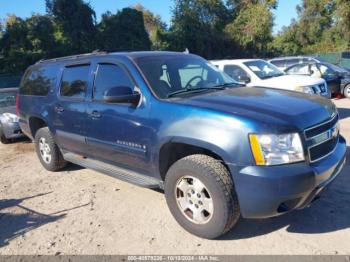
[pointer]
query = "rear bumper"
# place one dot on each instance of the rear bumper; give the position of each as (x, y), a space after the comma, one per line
(272, 191)
(12, 130)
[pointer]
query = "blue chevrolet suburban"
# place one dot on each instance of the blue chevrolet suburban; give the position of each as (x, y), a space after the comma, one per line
(174, 121)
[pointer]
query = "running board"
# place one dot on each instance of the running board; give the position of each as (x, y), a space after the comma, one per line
(113, 171)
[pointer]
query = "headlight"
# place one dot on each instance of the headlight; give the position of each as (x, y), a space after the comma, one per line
(269, 150)
(11, 118)
(305, 89)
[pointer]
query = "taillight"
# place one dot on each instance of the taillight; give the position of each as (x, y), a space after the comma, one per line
(17, 104)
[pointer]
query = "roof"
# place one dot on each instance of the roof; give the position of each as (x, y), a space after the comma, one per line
(8, 89)
(291, 57)
(235, 60)
(132, 55)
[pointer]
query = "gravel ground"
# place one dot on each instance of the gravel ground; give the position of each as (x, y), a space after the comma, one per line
(80, 211)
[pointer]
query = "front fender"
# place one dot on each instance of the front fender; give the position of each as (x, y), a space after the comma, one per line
(225, 136)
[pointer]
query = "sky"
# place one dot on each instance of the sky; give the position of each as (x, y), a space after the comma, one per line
(24, 8)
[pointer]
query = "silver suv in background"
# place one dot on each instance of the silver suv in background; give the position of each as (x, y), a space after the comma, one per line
(9, 126)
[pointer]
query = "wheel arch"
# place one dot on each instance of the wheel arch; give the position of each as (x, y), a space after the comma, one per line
(177, 148)
(35, 123)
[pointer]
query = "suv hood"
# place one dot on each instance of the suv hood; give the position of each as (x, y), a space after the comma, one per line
(269, 106)
(289, 82)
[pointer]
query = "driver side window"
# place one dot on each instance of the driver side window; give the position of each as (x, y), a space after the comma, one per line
(108, 76)
(236, 72)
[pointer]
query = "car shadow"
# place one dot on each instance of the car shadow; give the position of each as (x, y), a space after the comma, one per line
(22, 219)
(328, 214)
(73, 167)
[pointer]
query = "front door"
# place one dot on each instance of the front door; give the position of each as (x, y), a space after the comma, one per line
(332, 78)
(117, 133)
(70, 109)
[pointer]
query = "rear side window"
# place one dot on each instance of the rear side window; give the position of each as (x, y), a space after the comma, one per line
(108, 76)
(74, 81)
(279, 63)
(38, 80)
(293, 61)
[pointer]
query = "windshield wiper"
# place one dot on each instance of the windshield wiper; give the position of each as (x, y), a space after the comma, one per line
(228, 84)
(194, 90)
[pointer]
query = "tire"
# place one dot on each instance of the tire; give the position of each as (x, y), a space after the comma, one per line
(3, 138)
(346, 91)
(48, 152)
(216, 219)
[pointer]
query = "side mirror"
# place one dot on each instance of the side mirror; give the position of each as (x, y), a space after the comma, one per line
(121, 94)
(244, 79)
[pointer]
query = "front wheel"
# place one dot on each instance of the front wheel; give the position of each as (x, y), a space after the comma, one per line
(201, 196)
(48, 152)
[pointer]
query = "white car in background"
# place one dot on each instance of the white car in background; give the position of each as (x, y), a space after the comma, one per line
(259, 73)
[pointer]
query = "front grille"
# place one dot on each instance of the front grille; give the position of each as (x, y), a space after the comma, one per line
(319, 129)
(321, 150)
(322, 139)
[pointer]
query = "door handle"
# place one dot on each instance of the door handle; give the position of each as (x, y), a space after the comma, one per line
(59, 109)
(95, 114)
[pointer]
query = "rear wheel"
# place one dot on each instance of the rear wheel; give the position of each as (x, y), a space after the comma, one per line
(48, 152)
(3, 138)
(201, 196)
(346, 91)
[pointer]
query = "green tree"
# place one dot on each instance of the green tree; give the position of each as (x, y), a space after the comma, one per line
(284, 43)
(14, 46)
(342, 22)
(155, 27)
(252, 25)
(41, 34)
(198, 25)
(75, 23)
(123, 31)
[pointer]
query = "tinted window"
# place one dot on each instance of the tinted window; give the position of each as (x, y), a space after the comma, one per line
(109, 76)
(291, 62)
(38, 80)
(236, 72)
(279, 63)
(74, 81)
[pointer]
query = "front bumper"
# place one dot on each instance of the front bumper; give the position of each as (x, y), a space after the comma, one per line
(267, 191)
(12, 130)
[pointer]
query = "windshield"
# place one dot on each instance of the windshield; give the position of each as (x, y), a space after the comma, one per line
(263, 70)
(7, 99)
(180, 74)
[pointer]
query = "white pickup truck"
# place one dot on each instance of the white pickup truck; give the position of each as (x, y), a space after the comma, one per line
(259, 73)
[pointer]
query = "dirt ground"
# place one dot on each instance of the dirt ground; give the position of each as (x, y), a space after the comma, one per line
(80, 211)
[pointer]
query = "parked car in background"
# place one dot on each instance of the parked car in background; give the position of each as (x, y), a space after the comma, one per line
(259, 73)
(174, 121)
(337, 78)
(284, 62)
(9, 126)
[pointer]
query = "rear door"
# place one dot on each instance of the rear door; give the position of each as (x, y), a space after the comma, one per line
(70, 108)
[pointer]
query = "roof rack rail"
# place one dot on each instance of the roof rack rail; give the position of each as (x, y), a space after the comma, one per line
(95, 52)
